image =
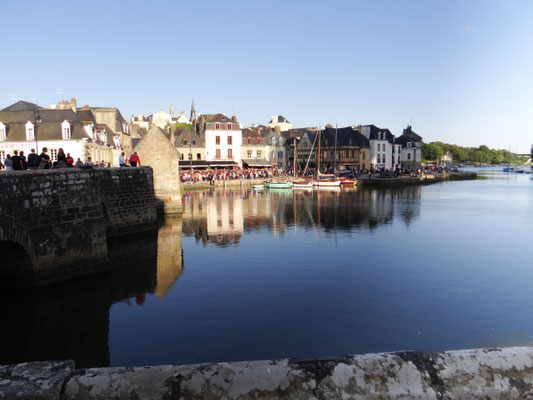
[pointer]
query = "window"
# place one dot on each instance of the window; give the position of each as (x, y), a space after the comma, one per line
(189, 157)
(364, 155)
(249, 140)
(249, 154)
(383, 159)
(181, 156)
(379, 159)
(65, 129)
(217, 140)
(194, 142)
(379, 147)
(258, 153)
(230, 153)
(229, 127)
(185, 141)
(198, 156)
(230, 140)
(2, 156)
(2, 132)
(30, 134)
(409, 144)
(217, 155)
(408, 156)
(53, 154)
(217, 126)
(258, 140)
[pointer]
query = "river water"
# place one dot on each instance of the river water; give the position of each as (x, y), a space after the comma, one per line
(246, 275)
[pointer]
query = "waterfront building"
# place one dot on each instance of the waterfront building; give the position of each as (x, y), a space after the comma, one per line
(411, 153)
(381, 146)
(223, 139)
(190, 146)
(349, 146)
(263, 148)
(97, 132)
(279, 121)
(140, 121)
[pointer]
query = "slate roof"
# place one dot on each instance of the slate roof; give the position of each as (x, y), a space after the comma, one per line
(374, 130)
(347, 136)
(48, 129)
(409, 135)
(23, 106)
(183, 134)
(216, 118)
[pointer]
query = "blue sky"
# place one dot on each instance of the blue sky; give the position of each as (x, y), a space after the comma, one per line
(457, 71)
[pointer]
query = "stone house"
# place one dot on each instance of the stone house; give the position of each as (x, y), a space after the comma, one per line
(81, 132)
(190, 146)
(263, 148)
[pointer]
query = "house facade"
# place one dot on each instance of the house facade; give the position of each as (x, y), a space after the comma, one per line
(263, 148)
(26, 126)
(223, 140)
(347, 149)
(381, 143)
(411, 153)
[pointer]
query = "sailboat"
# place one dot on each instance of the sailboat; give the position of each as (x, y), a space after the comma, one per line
(324, 180)
(300, 183)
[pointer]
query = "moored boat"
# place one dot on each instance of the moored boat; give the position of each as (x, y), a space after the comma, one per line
(302, 184)
(348, 182)
(278, 185)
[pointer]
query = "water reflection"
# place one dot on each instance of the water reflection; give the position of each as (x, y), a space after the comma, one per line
(221, 216)
(71, 320)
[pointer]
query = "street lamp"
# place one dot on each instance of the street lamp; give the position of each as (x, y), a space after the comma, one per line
(38, 120)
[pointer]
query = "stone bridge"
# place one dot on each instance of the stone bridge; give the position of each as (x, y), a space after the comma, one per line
(55, 224)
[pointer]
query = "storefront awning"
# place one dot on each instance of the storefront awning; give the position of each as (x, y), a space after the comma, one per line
(256, 162)
(184, 164)
(220, 164)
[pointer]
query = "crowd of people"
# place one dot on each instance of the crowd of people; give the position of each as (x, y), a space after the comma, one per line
(212, 175)
(19, 162)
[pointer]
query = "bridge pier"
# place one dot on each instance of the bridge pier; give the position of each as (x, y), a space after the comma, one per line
(54, 224)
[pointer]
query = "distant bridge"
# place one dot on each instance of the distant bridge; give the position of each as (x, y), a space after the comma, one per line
(54, 224)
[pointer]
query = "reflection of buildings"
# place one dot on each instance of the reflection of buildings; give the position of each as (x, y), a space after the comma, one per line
(169, 255)
(221, 216)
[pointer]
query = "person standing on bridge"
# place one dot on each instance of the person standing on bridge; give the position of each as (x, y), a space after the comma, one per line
(134, 160)
(44, 159)
(33, 160)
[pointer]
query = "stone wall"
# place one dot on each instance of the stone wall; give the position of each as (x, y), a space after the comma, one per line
(54, 224)
(504, 373)
(156, 151)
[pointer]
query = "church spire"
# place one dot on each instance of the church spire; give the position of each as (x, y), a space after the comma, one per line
(193, 111)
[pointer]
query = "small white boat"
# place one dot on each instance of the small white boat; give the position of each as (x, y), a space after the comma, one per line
(327, 183)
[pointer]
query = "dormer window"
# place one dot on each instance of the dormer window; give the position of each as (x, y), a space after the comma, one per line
(217, 126)
(409, 144)
(65, 129)
(229, 127)
(2, 132)
(30, 131)
(258, 140)
(116, 140)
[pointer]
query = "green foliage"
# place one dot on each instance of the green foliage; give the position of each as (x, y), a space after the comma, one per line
(479, 155)
(182, 125)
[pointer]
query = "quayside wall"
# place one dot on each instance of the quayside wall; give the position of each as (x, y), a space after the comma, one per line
(499, 373)
(54, 224)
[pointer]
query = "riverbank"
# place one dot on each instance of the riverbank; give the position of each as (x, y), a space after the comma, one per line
(425, 179)
(474, 374)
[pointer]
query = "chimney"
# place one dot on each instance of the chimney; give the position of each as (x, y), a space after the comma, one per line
(171, 132)
(73, 104)
(274, 119)
(234, 118)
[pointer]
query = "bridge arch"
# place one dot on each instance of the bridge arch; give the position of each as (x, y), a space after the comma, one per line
(16, 267)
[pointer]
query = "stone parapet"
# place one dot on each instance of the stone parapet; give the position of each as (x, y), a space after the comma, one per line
(500, 373)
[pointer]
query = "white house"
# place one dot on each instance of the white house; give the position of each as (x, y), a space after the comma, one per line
(223, 140)
(381, 146)
(411, 143)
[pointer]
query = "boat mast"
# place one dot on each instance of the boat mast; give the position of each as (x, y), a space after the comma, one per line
(335, 153)
(294, 155)
(318, 155)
